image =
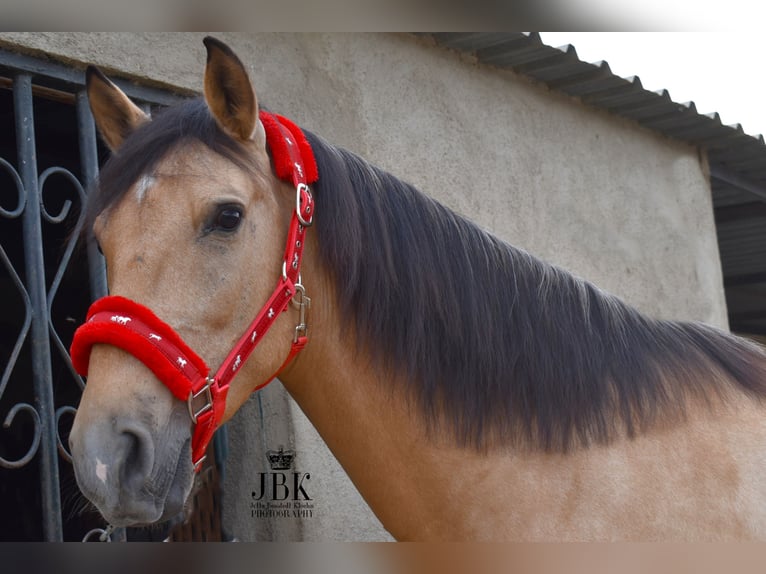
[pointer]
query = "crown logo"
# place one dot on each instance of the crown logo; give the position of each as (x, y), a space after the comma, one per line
(281, 459)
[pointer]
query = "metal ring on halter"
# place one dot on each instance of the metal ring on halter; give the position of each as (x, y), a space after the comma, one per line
(302, 187)
(284, 274)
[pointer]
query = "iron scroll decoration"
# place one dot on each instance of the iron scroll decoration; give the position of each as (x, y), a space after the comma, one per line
(10, 365)
(41, 272)
(14, 213)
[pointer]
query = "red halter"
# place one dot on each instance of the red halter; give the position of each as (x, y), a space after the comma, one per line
(136, 329)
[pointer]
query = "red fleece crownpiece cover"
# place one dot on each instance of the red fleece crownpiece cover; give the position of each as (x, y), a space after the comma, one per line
(279, 142)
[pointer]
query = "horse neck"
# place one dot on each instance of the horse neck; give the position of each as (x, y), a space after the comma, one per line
(421, 485)
(424, 487)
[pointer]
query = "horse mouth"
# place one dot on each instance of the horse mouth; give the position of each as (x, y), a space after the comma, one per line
(161, 498)
(179, 493)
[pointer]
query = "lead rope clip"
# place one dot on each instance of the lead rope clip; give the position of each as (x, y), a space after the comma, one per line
(302, 302)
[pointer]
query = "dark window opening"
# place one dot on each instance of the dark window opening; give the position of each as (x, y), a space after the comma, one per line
(40, 504)
(740, 216)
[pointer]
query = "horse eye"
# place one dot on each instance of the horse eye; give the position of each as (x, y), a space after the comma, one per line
(228, 219)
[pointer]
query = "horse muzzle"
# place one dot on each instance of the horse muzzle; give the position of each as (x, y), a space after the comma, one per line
(132, 473)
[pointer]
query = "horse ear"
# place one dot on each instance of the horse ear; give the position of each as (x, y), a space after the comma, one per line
(228, 91)
(116, 116)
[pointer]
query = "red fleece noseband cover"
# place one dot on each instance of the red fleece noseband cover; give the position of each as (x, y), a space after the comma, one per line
(137, 330)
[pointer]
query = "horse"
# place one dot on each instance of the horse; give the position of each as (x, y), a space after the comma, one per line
(533, 405)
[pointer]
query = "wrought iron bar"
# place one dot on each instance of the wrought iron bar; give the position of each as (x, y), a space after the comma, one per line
(86, 129)
(42, 377)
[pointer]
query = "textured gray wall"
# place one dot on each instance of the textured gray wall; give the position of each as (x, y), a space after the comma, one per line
(608, 200)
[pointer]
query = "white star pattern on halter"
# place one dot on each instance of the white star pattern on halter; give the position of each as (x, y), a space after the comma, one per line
(237, 363)
(289, 141)
(181, 361)
(155, 337)
(271, 313)
(253, 336)
(299, 168)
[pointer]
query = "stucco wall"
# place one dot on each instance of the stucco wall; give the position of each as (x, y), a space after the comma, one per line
(609, 201)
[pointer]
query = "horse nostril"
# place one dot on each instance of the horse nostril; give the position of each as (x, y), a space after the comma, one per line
(138, 454)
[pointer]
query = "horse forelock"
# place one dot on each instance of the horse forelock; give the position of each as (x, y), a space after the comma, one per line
(494, 344)
(149, 144)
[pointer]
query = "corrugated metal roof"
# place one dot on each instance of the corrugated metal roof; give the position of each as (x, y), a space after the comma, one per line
(595, 84)
(737, 159)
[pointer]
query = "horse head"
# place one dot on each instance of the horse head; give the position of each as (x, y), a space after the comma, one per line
(191, 219)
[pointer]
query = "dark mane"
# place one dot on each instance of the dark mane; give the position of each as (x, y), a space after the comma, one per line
(495, 344)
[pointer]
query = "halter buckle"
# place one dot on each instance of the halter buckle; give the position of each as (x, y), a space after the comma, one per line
(208, 396)
(302, 190)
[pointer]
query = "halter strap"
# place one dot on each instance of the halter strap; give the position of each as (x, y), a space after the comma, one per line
(126, 324)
